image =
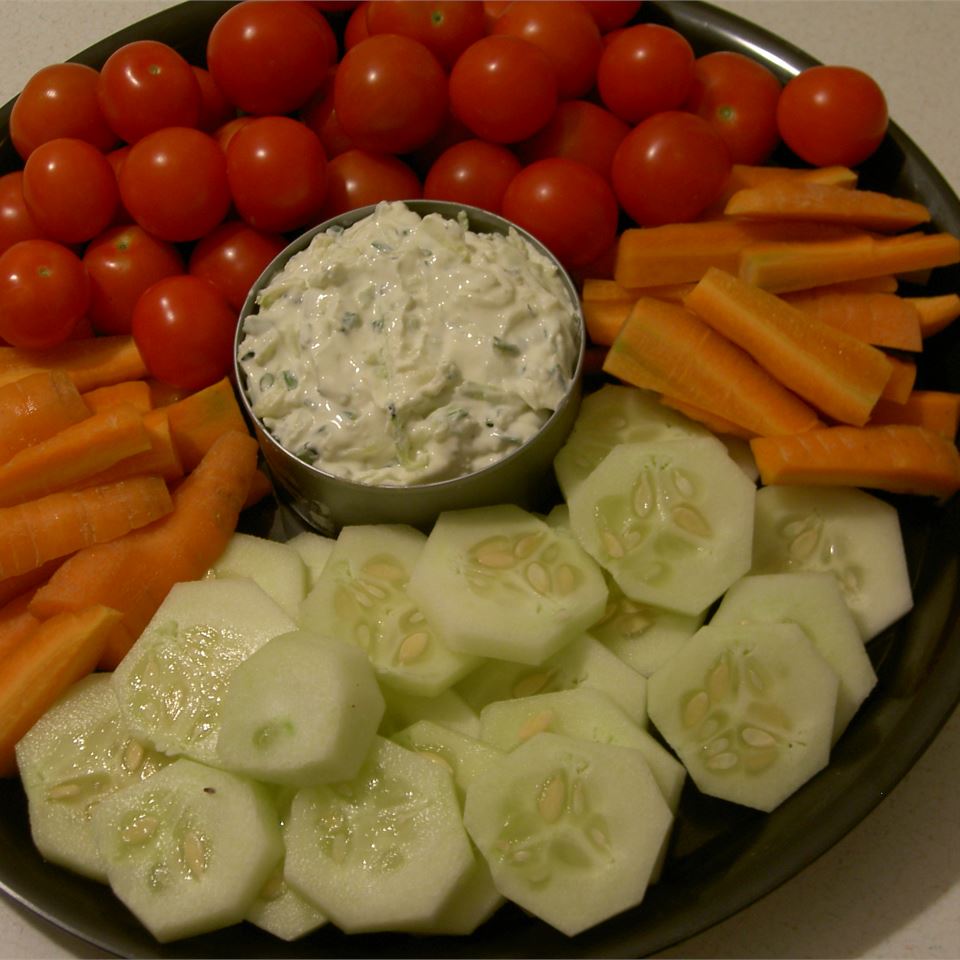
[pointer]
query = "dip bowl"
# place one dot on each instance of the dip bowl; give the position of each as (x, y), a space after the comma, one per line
(325, 501)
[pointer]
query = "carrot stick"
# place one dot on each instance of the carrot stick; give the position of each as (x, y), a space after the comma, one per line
(135, 572)
(664, 347)
(91, 362)
(37, 407)
(897, 458)
(161, 458)
(709, 419)
(59, 652)
(902, 378)
(598, 289)
(834, 372)
(197, 420)
(12, 587)
(59, 524)
(604, 318)
(134, 392)
(937, 410)
(936, 313)
(16, 623)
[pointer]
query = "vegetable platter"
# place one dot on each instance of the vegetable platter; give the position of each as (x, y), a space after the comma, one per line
(722, 858)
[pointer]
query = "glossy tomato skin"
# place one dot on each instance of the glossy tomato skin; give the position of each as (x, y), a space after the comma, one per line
(613, 14)
(121, 263)
(70, 189)
(232, 257)
(356, 28)
(670, 168)
(645, 69)
(565, 32)
(831, 115)
(567, 205)
(356, 178)
(445, 27)
(146, 85)
(277, 171)
(16, 221)
(174, 183)
(59, 100)
(44, 293)
(390, 94)
(321, 117)
(224, 133)
(270, 56)
(503, 89)
(738, 97)
(215, 108)
(184, 329)
(473, 172)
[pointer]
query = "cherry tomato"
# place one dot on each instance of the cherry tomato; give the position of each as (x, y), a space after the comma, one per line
(356, 178)
(277, 172)
(832, 115)
(184, 329)
(670, 168)
(613, 14)
(270, 56)
(116, 159)
(44, 292)
(16, 221)
(146, 85)
(356, 28)
(473, 172)
(121, 264)
(319, 115)
(565, 32)
(215, 108)
(232, 257)
(644, 70)
(579, 130)
(71, 189)
(59, 101)
(565, 204)
(174, 183)
(502, 88)
(445, 27)
(738, 97)
(224, 133)
(390, 94)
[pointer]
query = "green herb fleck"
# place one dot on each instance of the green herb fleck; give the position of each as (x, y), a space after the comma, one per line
(289, 379)
(349, 321)
(504, 346)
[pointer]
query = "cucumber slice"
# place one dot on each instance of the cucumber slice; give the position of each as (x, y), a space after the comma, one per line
(303, 709)
(815, 603)
(499, 582)
(844, 531)
(474, 901)
(314, 550)
(169, 686)
(583, 663)
(189, 849)
(75, 755)
(447, 709)
(572, 830)
(362, 598)
(749, 709)
(383, 851)
(672, 521)
(281, 911)
(275, 567)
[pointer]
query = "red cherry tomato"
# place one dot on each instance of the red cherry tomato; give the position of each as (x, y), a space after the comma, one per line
(215, 108)
(670, 168)
(184, 329)
(565, 204)
(445, 27)
(390, 94)
(59, 101)
(147, 85)
(174, 183)
(503, 89)
(16, 221)
(738, 97)
(121, 264)
(356, 178)
(44, 293)
(356, 28)
(319, 115)
(579, 130)
(270, 56)
(224, 133)
(644, 70)
(232, 257)
(277, 172)
(613, 14)
(71, 190)
(565, 32)
(473, 172)
(832, 115)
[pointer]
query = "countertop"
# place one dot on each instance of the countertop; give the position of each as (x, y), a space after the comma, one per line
(891, 888)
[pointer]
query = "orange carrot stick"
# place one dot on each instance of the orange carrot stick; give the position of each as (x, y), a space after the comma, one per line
(604, 318)
(134, 392)
(937, 410)
(161, 458)
(91, 362)
(12, 587)
(902, 378)
(936, 313)
(16, 623)
(59, 524)
(709, 419)
(197, 420)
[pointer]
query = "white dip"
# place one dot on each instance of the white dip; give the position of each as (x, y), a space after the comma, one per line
(408, 350)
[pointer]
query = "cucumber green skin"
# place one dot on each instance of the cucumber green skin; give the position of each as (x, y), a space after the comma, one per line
(749, 710)
(174, 892)
(576, 855)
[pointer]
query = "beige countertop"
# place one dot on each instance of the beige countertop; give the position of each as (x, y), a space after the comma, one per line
(891, 888)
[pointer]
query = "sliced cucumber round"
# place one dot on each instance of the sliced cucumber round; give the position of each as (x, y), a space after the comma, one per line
(499, 582)
(314, 550)
(672, 521)
(748, 708)
(281, 911)
(448, 709)
(188, 850)
(572, 830)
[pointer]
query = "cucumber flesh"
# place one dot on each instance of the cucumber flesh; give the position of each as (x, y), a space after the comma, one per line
(281, 911)
(314, 550)
(448, 709)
